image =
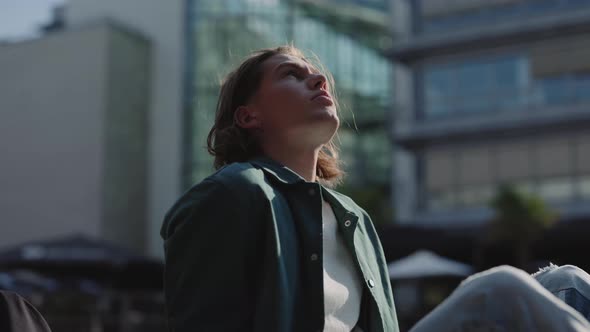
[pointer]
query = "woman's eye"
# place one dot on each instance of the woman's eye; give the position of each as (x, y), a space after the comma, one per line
(293, 73)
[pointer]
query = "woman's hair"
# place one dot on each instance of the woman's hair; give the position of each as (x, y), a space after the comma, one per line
(229, 143)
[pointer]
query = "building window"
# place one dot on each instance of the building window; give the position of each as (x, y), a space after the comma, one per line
(553, 157)
(513, 162)
(475, 86)
(584, 187)
(565, 89)
(475, 196)
(556, 189)
(474, 166)
(557, 168)
(582, 153)
(441, 16)
(554, 73)
(441, 200)
(440, 179)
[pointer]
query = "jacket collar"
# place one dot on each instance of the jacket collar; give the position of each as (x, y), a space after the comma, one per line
(340, 205)
(277, 171)
(284, 174)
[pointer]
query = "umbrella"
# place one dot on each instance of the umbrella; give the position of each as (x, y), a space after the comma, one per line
(424, 263)
(82, 256)
(26, 282)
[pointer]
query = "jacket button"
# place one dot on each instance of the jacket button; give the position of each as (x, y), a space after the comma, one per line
(347, 223)
(371, 283)
(314, 257)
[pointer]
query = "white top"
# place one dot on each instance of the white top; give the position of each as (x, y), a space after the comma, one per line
(342, 283)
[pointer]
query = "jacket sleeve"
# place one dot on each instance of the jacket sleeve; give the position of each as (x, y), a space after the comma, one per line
(209, 278)
(17, 315)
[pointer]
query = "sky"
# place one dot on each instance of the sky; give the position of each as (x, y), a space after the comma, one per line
(21, 19)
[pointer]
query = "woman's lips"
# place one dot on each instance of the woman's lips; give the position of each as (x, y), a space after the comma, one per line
(324, 99)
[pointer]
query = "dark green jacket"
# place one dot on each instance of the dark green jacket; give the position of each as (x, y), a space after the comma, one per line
(244, 253)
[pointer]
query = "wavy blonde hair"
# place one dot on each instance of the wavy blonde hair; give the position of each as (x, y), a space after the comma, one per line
(229, 143)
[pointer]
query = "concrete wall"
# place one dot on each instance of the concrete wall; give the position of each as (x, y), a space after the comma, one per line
(73, 136)
(51, 102)
(162, 23)
(404, 179)
(125, 140)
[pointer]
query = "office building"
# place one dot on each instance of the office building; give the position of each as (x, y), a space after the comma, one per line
(491, 92)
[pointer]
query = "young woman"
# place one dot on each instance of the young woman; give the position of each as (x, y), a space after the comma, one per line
(265, 243)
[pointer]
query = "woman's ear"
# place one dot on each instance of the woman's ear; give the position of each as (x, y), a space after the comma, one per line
(246, 117)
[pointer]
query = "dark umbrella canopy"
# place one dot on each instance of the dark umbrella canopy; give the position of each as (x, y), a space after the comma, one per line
(83, 256)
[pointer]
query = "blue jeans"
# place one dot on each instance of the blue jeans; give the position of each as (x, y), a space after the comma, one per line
(569, 283)
(508, 299)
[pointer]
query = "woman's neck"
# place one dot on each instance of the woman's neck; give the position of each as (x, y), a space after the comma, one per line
(301, 161)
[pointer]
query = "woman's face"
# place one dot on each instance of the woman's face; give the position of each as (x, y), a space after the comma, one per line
(293, 102)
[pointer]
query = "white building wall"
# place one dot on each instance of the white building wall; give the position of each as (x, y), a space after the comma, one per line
(404, 184)
(405, 187)
(51, 101)
(162, 23)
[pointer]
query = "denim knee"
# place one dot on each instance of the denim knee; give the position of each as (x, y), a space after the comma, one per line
(555, 278)
(569, 283)
(501, 279)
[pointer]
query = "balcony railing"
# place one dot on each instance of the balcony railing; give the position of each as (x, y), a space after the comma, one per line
(544, 94)
(498, 13)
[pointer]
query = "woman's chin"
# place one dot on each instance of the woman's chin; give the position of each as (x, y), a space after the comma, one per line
(329, 114)
(328, 127)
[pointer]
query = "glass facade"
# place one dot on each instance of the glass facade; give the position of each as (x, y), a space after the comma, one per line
(513, 77)
(221, 33)
(475, 85)
(434, 17)
(500, 83)
(554, 167)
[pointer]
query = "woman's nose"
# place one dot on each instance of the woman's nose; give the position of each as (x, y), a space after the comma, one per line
(318, 81)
